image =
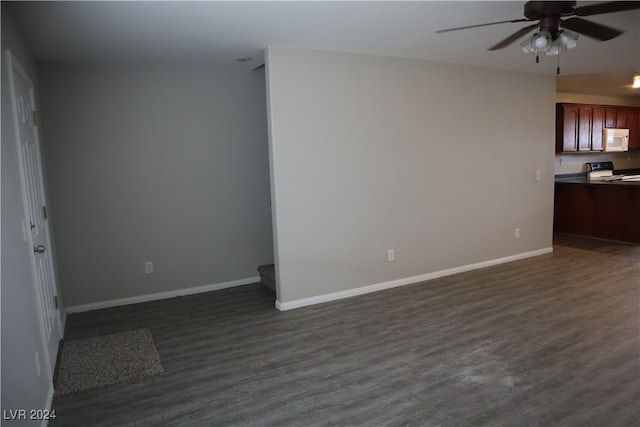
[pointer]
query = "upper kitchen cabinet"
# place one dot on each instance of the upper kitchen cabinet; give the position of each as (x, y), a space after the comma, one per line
(616, 117)
(566, 128)
(579, 127)
(597, 128)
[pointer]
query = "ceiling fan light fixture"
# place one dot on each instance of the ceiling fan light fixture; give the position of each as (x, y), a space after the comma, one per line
(527, 46)
(567, 40)
(554, 50)
(542, 40)
(538, 42)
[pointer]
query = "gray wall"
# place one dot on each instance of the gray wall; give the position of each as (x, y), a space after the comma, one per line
(168, 165)
(22, 387)
(436, 161)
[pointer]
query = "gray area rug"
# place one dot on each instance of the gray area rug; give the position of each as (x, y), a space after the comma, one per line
(105, 360)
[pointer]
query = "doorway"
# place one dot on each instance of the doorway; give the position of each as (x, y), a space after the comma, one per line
(36, 231)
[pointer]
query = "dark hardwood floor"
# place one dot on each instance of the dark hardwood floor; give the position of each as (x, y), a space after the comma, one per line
(547, 341)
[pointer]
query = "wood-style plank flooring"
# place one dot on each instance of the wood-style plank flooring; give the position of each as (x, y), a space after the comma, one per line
(547, 341)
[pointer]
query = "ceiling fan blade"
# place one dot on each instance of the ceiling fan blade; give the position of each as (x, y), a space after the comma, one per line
(513, 37)
(610, 7)
(590, 29)
(481, 25)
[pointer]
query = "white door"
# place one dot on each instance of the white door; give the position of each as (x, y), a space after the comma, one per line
(36, 226)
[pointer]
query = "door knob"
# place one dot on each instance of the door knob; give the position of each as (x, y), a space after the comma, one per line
(38, 249)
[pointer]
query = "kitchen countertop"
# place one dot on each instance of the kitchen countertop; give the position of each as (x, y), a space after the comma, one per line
(583, 178)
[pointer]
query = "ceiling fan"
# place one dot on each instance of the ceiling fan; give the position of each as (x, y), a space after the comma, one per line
(554, 19)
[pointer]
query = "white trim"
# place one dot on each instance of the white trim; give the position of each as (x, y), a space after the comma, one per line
(63, 320)
(162, 295)
(289, 305)
(49, 354)
(49, 402)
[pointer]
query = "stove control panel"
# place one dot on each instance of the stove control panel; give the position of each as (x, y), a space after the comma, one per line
(598, 166)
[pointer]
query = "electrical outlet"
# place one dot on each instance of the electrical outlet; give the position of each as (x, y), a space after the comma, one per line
(148, 267)
(517, 233)
(538, 175)
(391, 255)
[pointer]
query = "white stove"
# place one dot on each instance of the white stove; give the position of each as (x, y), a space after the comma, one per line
(603, 171)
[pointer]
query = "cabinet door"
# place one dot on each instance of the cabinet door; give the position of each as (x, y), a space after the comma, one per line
(569, 117)
(610, 117)
(597, 128)
(584, 128)
(633, 122)
(621, 118)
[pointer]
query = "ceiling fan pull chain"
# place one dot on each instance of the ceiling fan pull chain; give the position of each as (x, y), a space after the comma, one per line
(537, 58)
(558, 69)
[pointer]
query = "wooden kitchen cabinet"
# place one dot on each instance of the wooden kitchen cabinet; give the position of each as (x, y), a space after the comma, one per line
(606, 211)
(633, 122)
(585, 122)
(579, 127)
(566, 128)
(621, 118)
(610, 117)
(616, 117)
(597, 129)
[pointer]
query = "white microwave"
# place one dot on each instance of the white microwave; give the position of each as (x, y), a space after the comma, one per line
(616, 140)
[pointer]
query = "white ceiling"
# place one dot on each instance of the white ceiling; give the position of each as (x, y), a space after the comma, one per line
(216, 32)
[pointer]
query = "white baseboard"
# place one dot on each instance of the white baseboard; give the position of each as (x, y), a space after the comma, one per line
(289, 305)
(63, 322)
(49, 402)
(162, 295)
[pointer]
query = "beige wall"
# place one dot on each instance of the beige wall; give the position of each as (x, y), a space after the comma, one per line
(433, 160)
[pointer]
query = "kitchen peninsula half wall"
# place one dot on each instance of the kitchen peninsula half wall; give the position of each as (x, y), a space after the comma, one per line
(602, 209)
